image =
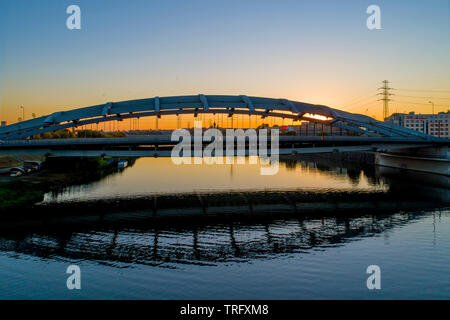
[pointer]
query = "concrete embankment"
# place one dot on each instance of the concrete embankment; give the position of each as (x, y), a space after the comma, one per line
(362, 158)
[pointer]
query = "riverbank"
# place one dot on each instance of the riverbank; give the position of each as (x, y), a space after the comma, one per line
(56, 173)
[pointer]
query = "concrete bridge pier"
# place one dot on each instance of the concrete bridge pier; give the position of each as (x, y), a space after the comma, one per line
(434, 160)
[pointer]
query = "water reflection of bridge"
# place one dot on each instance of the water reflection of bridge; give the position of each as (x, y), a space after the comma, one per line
(171, 245)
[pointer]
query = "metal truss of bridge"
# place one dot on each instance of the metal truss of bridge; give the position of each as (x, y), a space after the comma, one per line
(364, 126)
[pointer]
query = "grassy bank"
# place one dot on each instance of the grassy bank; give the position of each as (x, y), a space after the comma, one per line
(20, 193)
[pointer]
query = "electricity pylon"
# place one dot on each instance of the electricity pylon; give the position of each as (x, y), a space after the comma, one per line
(385, 98)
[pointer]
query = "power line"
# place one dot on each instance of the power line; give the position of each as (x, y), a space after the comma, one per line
(363, 105)
(410, 90)
(358, 100)
(418, 103)
(429, 97)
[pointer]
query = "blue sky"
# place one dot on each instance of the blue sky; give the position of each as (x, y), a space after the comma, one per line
(314, 51)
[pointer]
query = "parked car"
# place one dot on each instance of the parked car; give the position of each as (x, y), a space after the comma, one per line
(32, 165)
(17, 171)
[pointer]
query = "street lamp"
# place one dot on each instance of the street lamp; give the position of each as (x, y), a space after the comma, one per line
(23, 113)
(432, 118)
(432, 104)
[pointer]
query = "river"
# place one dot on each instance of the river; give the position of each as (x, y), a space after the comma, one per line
(270, 253)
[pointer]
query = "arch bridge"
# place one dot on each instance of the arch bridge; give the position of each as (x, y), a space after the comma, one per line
(363, 125)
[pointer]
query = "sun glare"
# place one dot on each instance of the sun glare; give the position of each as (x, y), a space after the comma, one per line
(317, 117)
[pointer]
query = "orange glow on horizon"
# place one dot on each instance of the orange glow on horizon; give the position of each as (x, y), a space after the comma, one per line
(171, 122)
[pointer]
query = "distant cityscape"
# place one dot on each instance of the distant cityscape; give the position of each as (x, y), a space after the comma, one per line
(432, 124)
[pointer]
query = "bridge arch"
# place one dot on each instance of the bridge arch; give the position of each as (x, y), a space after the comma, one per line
(212, 104)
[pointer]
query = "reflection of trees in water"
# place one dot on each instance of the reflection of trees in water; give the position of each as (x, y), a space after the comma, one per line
(336, 165)
(415, 185)
(372, 177)
(290, 164)
(171, 244)
(353, 176)
(83, 173)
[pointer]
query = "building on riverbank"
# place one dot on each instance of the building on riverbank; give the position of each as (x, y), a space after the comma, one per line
(433, 124)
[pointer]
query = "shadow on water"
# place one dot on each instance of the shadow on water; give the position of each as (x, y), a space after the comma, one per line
(211, 228)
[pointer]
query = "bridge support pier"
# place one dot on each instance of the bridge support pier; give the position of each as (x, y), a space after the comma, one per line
(430, 160)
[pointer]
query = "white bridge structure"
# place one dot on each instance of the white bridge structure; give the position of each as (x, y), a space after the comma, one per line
(212, 104)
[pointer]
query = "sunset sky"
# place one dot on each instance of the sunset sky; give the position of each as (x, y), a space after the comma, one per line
(312, 51)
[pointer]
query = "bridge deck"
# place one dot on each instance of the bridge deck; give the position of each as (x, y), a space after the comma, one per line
(166, 140)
